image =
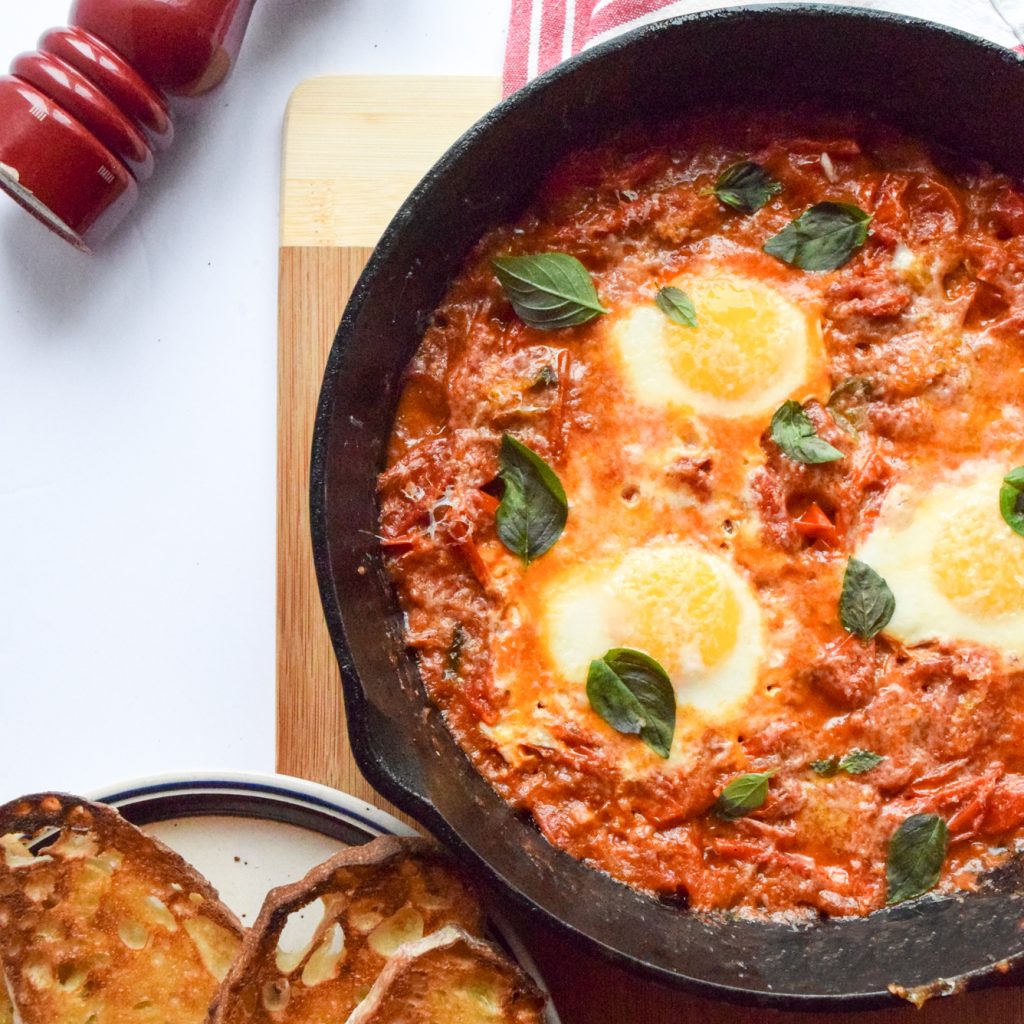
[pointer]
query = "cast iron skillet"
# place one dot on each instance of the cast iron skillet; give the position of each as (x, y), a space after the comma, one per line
(940, 85)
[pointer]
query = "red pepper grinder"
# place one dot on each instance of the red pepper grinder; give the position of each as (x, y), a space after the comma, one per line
(81, 117)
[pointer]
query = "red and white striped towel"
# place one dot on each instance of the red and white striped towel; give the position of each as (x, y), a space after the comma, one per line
(544, 32)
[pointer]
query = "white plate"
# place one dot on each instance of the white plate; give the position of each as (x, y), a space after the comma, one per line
(249, 833)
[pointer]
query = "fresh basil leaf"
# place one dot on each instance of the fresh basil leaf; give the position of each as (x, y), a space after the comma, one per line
(826, 767)
(823, 237)
(866, 603)
(746, 186)
(634, 695)
(533, 509)
(743, 795)
(677, 306)
(793, 431)
(1011, 500)
(548, 290)
(613, 700)
(454, 659)
(857, 761)
(917, 851)
(848, 403)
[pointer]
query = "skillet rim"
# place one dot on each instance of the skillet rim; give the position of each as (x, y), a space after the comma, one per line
(372, 760)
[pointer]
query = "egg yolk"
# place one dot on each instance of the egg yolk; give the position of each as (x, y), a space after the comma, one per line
(955, 568)
(751, 349)
(978, 562)
(746, 333)
(673, 602)
(686, 608)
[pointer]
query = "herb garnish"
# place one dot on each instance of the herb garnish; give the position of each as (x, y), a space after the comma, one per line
(866, 603)
(744, 794)
(548, 290)
(826, 766)
(793, 431)
(848, 403)
(677, 306)
(746, 186)
(823, 237)
(548, 377)
(917, 851)
(533, 509)
(1011, 500)
(856, 762)
(453, 661)
(634, 695)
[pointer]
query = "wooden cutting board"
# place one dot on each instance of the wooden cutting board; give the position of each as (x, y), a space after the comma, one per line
(353, 148)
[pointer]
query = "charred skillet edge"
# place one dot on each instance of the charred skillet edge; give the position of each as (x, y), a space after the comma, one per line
(37, 812)
(376, 762)
(281, 902)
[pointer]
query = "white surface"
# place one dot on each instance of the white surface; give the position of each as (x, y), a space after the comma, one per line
(137, 419)
(243, 858)
(137, 413)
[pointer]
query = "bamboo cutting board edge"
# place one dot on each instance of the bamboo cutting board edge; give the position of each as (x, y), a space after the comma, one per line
(343, 178)
(356, 145)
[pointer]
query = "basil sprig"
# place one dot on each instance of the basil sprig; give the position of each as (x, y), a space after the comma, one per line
(856, 762)
(823, 237)
(866, 603)
(533, 509)
(634, 695)
(548, 290)
(1011, 500)
(793, 431)
(917, 851)
(746, 186)
(744, 794)
(677, 306)
(848, 403)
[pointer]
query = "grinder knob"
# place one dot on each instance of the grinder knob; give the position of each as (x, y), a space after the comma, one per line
(82, 116)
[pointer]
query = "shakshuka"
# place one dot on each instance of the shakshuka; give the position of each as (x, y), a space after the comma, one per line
(705, 507)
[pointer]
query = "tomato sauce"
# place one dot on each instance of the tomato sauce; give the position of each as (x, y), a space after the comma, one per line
(930, 312)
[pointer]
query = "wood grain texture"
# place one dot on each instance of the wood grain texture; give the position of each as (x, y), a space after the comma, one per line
(353, 148)
(314, 285)
(588, 992)
(356, 145)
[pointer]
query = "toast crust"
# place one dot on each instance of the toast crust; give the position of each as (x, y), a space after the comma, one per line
(6, 1009)
(451, 976)
(102, 922)
(375, 897)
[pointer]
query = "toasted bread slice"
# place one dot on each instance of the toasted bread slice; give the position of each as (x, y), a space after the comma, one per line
(373, 899)
(100, 923)
(6, 1009)
(450, 978)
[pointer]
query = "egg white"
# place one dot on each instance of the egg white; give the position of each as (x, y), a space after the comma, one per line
(618, 601)
(955, 568)
(751, 349)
